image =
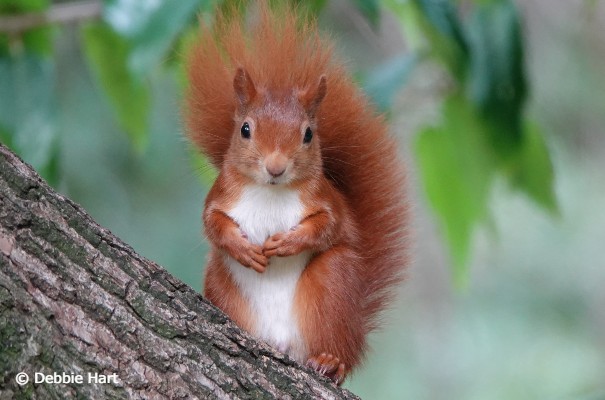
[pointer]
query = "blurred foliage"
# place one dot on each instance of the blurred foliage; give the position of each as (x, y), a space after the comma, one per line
(27, 97)
(108, 53)
(483, 133)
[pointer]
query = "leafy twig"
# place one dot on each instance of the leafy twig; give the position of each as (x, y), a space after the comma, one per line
(57, 13)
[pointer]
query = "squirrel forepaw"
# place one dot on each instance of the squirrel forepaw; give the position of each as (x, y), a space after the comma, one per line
(328, 365)
(251, 256)
(281, 245)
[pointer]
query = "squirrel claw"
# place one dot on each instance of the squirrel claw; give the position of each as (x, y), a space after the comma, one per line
(328, 365)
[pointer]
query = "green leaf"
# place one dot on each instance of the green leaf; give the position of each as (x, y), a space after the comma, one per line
(497, 79)
(22, 6)
(37, 40)
(107, 54)
(383, 83)
(28, 113)
(456, 168)
(150, 27)
(442, 15)
(441, 26)
(534, 173)
(433, 27)
(483, 131)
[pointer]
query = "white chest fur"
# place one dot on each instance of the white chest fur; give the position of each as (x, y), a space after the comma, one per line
(261, 212)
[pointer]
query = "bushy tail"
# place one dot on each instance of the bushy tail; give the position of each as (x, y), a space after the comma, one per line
(282, 52)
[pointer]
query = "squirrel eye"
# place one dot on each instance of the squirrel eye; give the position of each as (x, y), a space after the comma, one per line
(245, 131)
(308, 135)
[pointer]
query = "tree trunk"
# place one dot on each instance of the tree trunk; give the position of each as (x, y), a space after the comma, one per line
(75, 300)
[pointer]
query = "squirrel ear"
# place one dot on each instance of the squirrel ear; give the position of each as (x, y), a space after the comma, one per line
(244, 87)
(311, 98)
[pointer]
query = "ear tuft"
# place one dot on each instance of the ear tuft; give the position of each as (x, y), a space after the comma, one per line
(312, 98)
(244, 87)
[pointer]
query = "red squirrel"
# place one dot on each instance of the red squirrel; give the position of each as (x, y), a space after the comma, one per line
(307, 217)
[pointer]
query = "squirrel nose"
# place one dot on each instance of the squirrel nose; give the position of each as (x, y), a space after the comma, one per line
(276, 164)
(275, 171)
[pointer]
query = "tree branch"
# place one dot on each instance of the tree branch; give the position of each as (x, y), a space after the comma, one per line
(56, 13)
(74, 299)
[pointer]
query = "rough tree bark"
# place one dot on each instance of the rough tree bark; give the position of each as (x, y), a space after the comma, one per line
(75, 299)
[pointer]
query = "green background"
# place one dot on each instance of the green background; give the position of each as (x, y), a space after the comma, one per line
(505, 294)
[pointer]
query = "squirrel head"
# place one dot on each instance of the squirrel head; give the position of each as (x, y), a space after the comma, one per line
(274, 139)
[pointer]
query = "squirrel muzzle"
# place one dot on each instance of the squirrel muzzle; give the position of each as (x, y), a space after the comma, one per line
(276, 165)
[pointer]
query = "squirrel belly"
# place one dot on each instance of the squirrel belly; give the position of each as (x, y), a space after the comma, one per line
(307, 301)
(260, 212)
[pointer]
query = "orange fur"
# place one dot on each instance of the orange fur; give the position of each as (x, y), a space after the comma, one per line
(223, 292)
(351, 178)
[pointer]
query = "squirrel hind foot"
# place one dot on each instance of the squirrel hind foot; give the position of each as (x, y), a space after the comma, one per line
(329, 366)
